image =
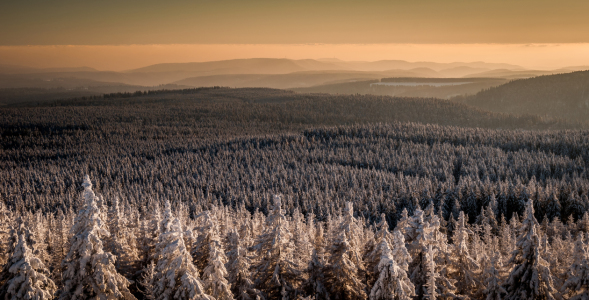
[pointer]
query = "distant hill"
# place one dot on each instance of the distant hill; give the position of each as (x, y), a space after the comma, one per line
(258, 72)
(512, 74)
(286, 81)
(283, 65)
(564, 96)
(382, 65)
(461, 71)
(415, 87)
(241, 66)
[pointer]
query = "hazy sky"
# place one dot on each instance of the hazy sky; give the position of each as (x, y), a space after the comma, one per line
(75, 22)
(278, 28)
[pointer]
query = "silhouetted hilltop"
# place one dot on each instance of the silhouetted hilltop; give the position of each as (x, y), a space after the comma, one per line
(241, 66)
(564, 96)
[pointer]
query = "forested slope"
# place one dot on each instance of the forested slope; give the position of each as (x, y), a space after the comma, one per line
(564, 96)
(472, 209)
(209, 145)
(472, 86)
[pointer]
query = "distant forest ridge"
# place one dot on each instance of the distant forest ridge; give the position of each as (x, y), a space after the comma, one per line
(564, 96)
(300, 110)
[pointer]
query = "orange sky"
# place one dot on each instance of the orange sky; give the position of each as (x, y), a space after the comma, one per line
(116, 22)
(119, 35)
(118, 58)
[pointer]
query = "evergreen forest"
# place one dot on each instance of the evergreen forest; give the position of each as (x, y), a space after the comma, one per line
(219, 193)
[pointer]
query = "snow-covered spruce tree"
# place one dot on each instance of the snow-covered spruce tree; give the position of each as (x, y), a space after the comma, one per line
(392, 282)
(238, 267)
(583, 223)
(400, 253)
(531, 277)
(424, 234)
(350, 227)
(507, 238)
(430, 286)
(25, 276)
(118, 243)
(176, 277)
(418, 237)
(60, 246)
(20, 227)
(301, 240)
(373, 257)
(577, 284)
(147, 281)
(6, 221)
(463, 266)
(341, 274)
(89, 272)
(204, 231)
(493, 290)
(214, 274)
(149, 231)
(403, 225)
(276, 275)
(314, 286)
(487, 216)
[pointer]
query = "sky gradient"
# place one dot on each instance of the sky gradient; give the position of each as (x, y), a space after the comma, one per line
(118, 35)
(109, 22)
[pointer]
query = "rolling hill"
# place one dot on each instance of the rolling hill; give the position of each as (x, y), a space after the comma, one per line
(564, 96)
(173, 72)
(407, 87)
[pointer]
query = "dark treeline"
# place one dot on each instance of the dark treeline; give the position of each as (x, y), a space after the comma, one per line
(423, 91)
(157, 92)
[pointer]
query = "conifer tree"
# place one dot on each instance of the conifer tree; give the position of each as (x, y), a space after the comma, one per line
(430, 286)
(375, 255)
(341, 275)
(147, 281)
(150, 229)
(349, 226)
(462, 264)
(214, 274)
(393, 282)
(120, 241)
(6, 221)
(88, 270)
(492, 280)
(425, 234)
(200, 252)
(403, 224)
(400, 253)
(25, 276)
(577, 284)
(238, 268)
(531, 277)
(583, 223)
(276, 275)
(300, 239)
(314, 286)
(176, 277)
(59, 246)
